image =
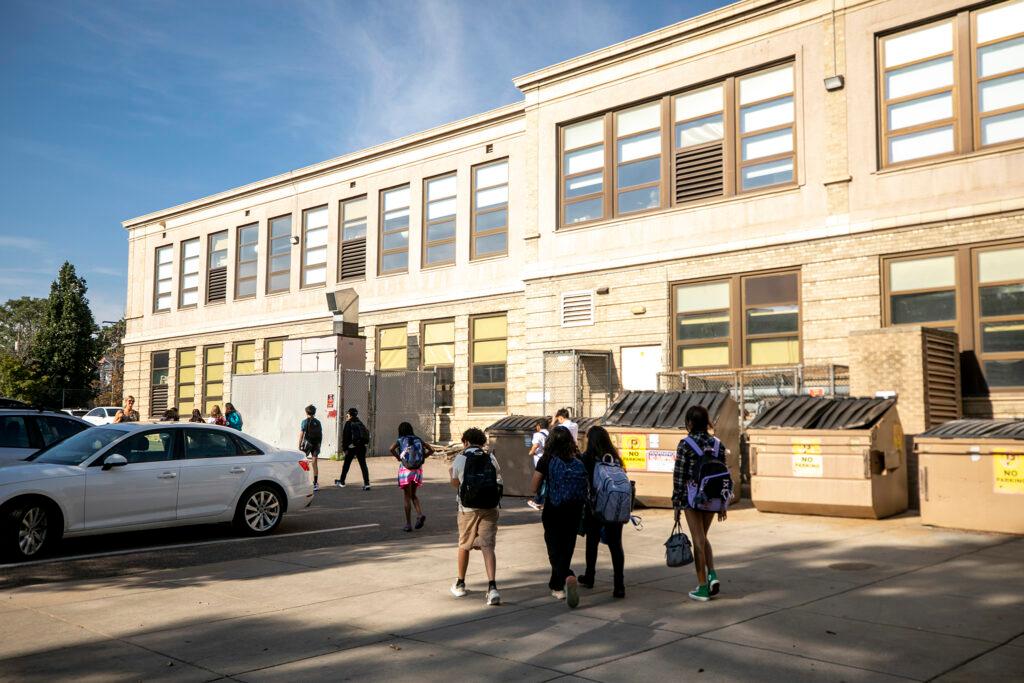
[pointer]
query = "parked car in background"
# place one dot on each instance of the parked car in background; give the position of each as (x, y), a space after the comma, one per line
(132, 476)
(12, 403)
(23, 432)
(103, 415)
(76, 412)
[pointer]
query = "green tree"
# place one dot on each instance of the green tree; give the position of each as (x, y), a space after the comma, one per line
(20, 321)
(67, 347)
(112, 349)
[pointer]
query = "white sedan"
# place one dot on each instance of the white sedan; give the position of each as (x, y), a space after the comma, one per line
(133, 476)
(104, 415)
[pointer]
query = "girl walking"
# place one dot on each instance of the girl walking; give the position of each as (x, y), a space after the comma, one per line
(233, 417)
(599, 444)
(701, 492)
(217, 417)
(411, 452)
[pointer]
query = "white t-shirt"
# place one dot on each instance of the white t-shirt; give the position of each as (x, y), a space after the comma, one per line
(459, 468)
(539, 438)
(573, 428)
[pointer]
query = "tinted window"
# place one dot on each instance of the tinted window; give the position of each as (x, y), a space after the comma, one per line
(54, 429)
(95, 412)
(78, 448)
(13, 433)
(112, 412)
(246, 448)
(148, 447)
(202, 443)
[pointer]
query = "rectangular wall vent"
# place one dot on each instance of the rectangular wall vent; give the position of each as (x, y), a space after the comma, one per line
(577, 308)
(700, 173)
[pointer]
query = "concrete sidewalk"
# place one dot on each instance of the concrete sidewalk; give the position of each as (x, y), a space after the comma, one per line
(803, 598)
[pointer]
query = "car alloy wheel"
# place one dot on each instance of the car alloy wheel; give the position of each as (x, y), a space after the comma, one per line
(32, 531)
(262, 510)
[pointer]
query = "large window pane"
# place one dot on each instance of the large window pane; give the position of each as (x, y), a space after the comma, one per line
(770, 173)
(1000, 265)
(712, 355)
(584, 185)
(999, 93)
(766, 84)
(923, 307)
(702, 297)
(586, 210)
(770, 289)
(637, 200)
(488, 398)
(639, 172)
(491, 244)
(1002, 127)
(491, 220)
(639, 146)
(768, 144)
(923, 273)
(772, 320)
(584, 133)
(1001, 300)
(1004, 373)
(766, 115)
(773, 351)
(644, 117)
(492, 197)
(1005, 337)
(699, 131)
(441, 231)
(1001, 57)
(488, 374)
(441, 253)
(924, 110)
(702, 326)
(699, 103)
(1002, 20)
(930, 75)
(923, 144)
(492, 174)
(915, 45)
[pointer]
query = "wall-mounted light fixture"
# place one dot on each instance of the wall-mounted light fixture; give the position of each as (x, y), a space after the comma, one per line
(295, 239)
(602, 290)
(833, 83)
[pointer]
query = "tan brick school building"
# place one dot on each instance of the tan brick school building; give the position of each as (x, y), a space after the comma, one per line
(745, 189)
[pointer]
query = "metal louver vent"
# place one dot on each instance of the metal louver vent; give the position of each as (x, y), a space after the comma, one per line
(942, 378)
(700, 173)
(157, 400)
(353, 259)
(217, 284)
(577, 309)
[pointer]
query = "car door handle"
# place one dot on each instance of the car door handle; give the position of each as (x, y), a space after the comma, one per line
(237, 470)
(168, 475)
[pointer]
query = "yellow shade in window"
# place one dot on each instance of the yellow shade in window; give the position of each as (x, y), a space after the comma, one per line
(245, 352)
(490, 328)
(187, 391)
(392, 359)
(209, 406)
(392, 337)
(274, 365)
(245, 367)
(214, 373)
(185, 408)
(186, 375)
(187, 358)
(442, 354)
(439, 333)
(773, 352)
(997, 266)
(275, 349)
(215, 354)
(490, 351)
(215, 389)
(704, 356)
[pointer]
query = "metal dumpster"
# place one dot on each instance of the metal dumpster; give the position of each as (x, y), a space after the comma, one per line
(841, 457)
(972, 475)
(647, 426)
(509, 439)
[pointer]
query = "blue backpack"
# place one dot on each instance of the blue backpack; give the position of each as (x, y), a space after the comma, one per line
(613, 492)
(567, 481)
(712, 490)
(411, 452)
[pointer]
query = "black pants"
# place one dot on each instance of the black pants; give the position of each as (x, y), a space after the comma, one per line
(356, 452)
(561, 525)
(612, 534)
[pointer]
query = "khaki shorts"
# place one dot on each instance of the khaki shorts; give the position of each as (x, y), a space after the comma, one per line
(478, 529)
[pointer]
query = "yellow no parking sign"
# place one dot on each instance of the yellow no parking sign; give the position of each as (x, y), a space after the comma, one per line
(1007, 471)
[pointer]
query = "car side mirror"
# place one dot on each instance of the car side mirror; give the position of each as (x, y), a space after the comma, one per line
(114, 460)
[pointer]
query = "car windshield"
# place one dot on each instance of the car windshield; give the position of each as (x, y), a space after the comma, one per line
(76, 449)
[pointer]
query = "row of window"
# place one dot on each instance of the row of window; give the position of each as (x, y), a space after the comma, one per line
(952, 86)
(488, 238)
(754, 320)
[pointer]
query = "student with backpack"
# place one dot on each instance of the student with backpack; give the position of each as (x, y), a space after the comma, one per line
(540, 435)
(701, 488)
(612, 496)
(355, 437)
(567, 493)
(410, 452)
(232, 416)
(477, 478)
(311, 435)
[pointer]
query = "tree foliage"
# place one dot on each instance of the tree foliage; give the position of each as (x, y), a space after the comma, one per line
(20, 321)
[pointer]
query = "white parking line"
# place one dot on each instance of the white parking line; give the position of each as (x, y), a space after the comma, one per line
(148, 549)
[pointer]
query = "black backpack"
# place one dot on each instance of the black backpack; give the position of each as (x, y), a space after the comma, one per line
(359, 434)
(314, 431)
(479, 488)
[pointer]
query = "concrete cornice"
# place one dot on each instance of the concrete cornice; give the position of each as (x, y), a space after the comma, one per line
(446, 131)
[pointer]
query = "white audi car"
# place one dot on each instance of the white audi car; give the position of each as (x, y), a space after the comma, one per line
(133, 476)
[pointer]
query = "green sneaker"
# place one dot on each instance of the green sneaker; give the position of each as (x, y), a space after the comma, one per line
(701, 593)
(713, 583)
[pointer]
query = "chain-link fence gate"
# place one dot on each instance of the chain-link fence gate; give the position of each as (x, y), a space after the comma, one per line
(400, 396)
(582, 381)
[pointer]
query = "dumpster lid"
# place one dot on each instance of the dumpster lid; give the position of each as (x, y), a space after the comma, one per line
(524, 423)
(661, 409)
(808, 412)
(978, 429)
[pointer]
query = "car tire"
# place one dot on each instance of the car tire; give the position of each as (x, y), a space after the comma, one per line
(29, 530)
(260, 510)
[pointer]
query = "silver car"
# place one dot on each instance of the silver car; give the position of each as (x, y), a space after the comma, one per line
(133, 476)
(25, 431)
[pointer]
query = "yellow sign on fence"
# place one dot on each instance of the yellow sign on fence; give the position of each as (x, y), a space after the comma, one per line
(1007, 471)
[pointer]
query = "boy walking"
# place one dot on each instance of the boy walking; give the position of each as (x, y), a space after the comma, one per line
(562, 419)
(354, 439)
(540, 435)
(311, 435)
(475, 475)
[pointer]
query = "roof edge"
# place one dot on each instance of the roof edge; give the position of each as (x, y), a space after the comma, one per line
(491, 117)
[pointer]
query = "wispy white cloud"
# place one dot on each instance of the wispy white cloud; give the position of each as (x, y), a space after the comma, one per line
(30, 244)
(109, 272)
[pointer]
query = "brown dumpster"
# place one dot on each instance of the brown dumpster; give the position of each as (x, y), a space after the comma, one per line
(972, 475)
(842, 457)
(509, 439)
(647, 426)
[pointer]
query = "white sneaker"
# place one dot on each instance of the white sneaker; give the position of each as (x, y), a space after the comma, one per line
(558, 595)
(493, 597)
(536, 506)
(458, 591)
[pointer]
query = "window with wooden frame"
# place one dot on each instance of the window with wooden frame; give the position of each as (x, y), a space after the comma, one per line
(188, 282)
(243, 358)
(352, 248)
(159, 376)
(186, 382)
(217, 267)
(439, 207)
(246, 257)
(922, 290)
(273, 352)
(490, 210)
(737, 321)
(314, 247)
(164, 259)
(734, 136)
(279, 261)
(213, 377)
(487, 362)
(392, 348)
(394, 230)
(999, 301)
(438, 340)
(952, 86)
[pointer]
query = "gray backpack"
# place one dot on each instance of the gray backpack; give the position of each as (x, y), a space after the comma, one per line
(613, 493)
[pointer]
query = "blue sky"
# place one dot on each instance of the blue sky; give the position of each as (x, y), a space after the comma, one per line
(114, 109)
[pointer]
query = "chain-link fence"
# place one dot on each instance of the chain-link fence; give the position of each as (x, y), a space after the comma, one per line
(583, 381)
(400, 396)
